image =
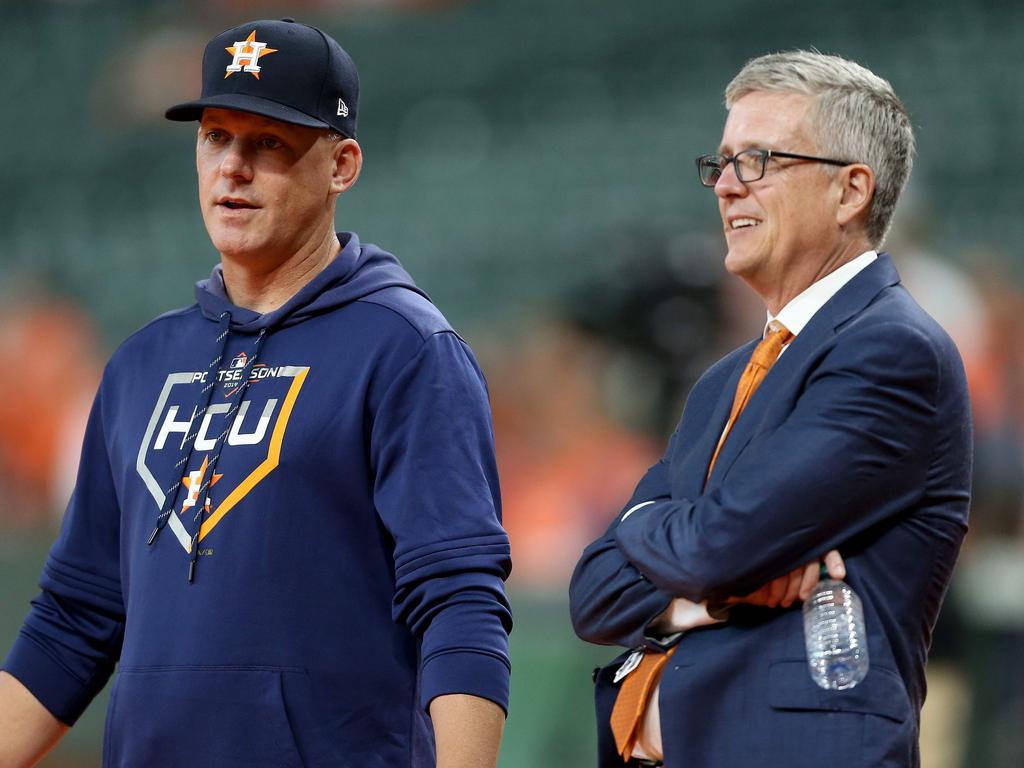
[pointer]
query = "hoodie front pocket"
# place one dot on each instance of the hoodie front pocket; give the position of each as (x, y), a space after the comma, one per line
(200, 717)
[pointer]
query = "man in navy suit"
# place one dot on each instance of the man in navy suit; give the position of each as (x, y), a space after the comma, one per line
(856, 447)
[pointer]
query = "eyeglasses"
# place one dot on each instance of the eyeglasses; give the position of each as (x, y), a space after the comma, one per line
(750, 164)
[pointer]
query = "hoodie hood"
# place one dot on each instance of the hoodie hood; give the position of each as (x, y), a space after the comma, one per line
(356, 272)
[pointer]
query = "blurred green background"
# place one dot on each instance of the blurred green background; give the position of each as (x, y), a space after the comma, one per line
(531, 163)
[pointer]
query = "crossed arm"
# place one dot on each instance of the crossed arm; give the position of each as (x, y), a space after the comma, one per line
(614, 603)
(849, 456)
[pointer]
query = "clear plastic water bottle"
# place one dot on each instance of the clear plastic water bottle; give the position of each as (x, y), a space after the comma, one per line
(837, 645)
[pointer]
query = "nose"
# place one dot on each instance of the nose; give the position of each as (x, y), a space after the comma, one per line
(236, 162)
(729, 184)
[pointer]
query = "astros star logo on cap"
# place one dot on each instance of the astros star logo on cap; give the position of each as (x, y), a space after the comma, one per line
(312, 82)
(248, 51)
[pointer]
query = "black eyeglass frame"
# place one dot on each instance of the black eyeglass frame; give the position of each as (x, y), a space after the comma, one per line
(766, 155)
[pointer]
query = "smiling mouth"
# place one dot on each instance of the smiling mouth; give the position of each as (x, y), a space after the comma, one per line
(743, 224)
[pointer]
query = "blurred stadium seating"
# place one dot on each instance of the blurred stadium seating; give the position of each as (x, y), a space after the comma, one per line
(514, 153)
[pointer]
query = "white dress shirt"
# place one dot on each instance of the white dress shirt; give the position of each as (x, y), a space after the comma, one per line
(682, 614)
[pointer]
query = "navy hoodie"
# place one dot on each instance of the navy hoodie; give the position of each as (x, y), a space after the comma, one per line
(334, 458)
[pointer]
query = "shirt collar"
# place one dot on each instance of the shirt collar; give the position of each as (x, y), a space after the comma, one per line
(799, 311)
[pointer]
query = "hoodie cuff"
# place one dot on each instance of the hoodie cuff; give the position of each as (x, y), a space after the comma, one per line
(63, 694)
(471, 672)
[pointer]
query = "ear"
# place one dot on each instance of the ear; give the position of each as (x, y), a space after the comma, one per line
(858, 189)
(348, 162)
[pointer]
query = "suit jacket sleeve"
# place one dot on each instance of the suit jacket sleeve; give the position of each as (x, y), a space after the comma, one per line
(852, 453)
(610, 600)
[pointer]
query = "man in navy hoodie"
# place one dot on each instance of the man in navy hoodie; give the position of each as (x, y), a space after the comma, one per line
(286, 529)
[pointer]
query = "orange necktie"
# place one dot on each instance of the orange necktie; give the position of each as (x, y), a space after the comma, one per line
(764, 357)
(636, 689)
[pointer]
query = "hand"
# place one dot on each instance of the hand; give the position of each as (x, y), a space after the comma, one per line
(798, 583)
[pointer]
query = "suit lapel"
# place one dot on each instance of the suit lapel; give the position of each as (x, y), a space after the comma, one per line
(694, 468)
(851, 299)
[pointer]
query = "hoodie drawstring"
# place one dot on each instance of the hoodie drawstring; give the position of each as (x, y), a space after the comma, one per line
(171, 494)
(188, 445)
(236, 403)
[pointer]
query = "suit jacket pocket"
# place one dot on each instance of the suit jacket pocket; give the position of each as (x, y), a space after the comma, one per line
(200, 717)
(881, 692)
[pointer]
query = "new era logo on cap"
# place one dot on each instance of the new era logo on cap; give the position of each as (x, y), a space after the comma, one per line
(310, 80)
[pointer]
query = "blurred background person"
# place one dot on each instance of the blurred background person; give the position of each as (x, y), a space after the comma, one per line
(50, 347)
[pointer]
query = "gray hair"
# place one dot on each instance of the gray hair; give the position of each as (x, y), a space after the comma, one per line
(857, 116)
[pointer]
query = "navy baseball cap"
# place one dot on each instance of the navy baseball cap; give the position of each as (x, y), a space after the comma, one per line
(281, 70)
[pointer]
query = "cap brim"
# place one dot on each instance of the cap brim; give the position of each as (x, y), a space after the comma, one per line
(193, 110)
